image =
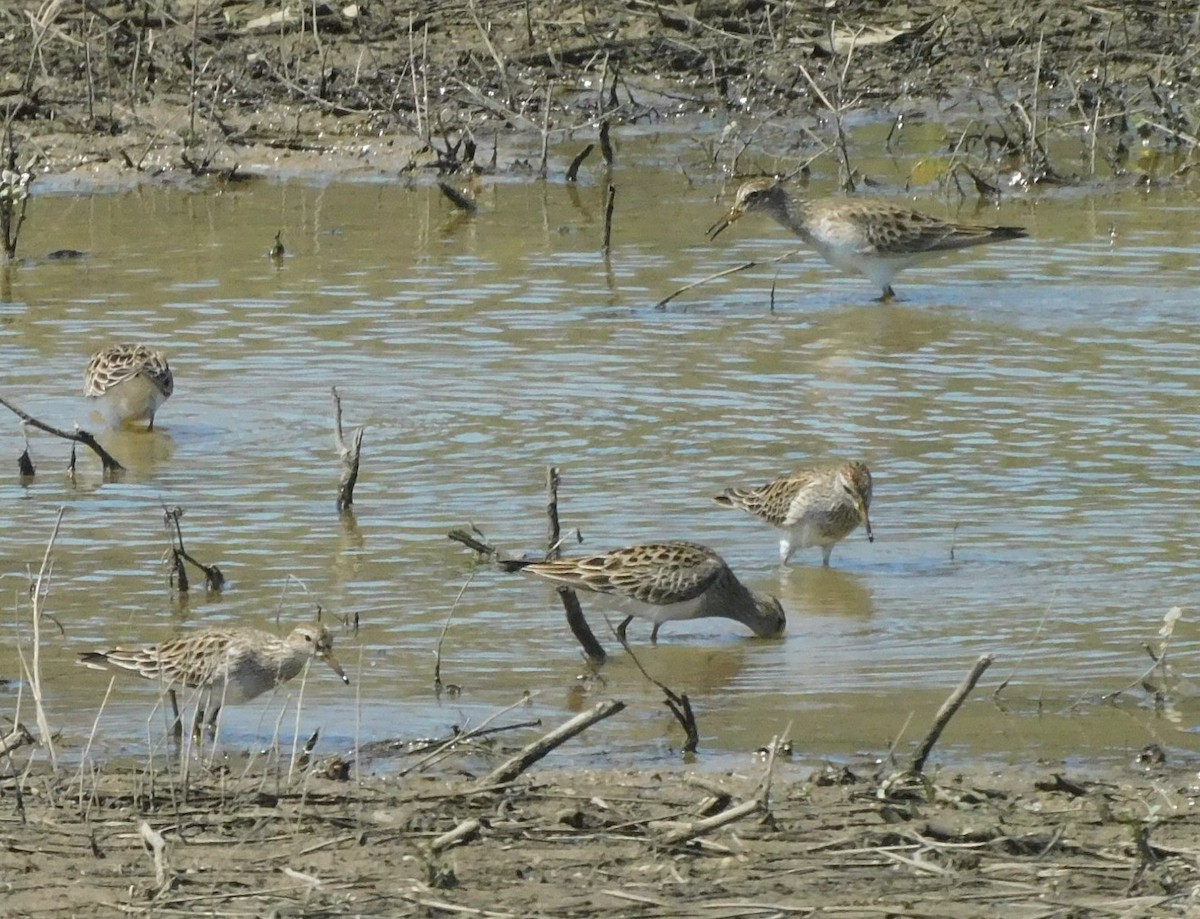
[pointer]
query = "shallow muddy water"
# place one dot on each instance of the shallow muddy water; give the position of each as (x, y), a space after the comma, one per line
(1028, 412)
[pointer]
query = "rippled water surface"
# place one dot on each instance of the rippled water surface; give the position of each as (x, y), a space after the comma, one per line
(1028, 411)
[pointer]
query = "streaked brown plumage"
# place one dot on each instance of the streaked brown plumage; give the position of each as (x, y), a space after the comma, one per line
(873, 238)
(229, 665)
(129, 383)
(663, 582)
(818, 506)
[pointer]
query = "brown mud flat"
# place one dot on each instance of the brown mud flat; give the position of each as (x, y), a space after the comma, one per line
(123, 91)
(1020, 843)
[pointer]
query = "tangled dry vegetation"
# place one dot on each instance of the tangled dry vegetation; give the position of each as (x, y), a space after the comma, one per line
(193, 86)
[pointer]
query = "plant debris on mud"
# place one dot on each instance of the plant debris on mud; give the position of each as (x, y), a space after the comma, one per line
(122, 840)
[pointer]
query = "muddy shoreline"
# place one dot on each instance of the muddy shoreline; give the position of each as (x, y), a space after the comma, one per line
(172, 90)
(251, 836)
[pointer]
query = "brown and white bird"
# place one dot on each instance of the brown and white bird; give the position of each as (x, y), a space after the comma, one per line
(128, 383)
(227, 665)
(663, 582)
(873, 238)
(819, 506)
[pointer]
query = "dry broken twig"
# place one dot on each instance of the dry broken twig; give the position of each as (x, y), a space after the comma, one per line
(947, 711)
(531, 753)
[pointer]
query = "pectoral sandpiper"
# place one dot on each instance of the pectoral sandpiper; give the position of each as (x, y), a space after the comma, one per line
(872, 238)
(664, 582)
(128, 383)
(813, 507)
(228, 665)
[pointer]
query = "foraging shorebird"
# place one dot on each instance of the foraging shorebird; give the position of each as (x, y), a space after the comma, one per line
(128, 383)
(813, 507)
(663, 582)
(228, 665)
(868, 237)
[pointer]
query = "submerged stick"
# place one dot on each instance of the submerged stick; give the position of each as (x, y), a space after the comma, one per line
(679, 704)
(578, 625)
(947, 711)
(213, 578)
(662, 304)
(80, 436)
(349, 456)
(573, 169)
(610, 201)
(570, 600)
(530, 754)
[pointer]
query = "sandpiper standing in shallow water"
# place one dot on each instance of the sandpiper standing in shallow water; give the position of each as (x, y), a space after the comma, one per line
(128, 383)
(228, 665)
(813, 507)
(872, 238)
(663, 582)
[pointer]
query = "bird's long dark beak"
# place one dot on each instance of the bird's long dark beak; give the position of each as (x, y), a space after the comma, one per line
(867, 523)
(717, 228)
(335, 666)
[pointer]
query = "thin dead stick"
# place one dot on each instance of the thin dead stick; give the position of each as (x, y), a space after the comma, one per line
(554, 529)
(486, 549)
(947, 711)
(349, 456)
(606, 149)
(680, 705)
(609, 203)
(530, 754)
(573, 169)
(461, 201)
(437, 653)
(579, 626)
(79, 437)
(33, 671)
(570, 600)
(213, 578)
(1158, 659)
(662, 304)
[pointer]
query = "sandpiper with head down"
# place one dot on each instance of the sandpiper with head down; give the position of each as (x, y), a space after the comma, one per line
(819, 506)
(128, 383)
(873, 238)
(662, 582)
(227, 665)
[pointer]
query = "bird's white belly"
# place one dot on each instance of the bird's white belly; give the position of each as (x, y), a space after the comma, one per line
(652, 612)
(804, 533)
(133, 400)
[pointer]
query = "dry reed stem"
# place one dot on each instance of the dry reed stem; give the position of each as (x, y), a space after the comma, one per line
(33, 671)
